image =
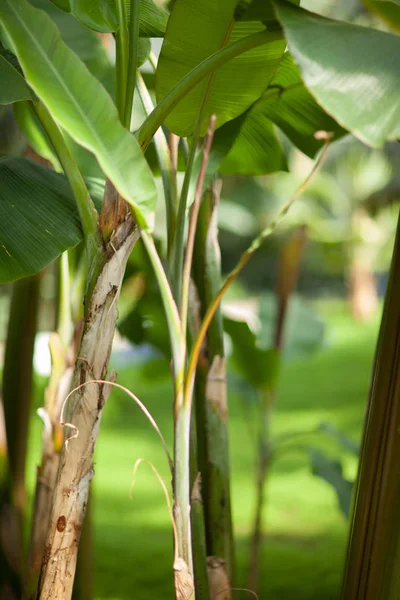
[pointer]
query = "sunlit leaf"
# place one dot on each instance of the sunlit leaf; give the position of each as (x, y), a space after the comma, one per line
(79, 103)
(197, 29)
(85, 43)
(38, 217)
(352, 71)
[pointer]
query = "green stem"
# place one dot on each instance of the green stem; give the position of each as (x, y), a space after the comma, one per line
(210, 391)
(121, 59)
(193, 226)
(212, 63)
(182, 484)
(179, 240)
(177, 340)
(65, 327)
(164, 161)
(176, 262)
(87, 211)
(132, 60)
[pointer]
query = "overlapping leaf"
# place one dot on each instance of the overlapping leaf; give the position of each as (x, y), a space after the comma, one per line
(101, 15)
(78, 102)
(38, 217)
(197, 29)
(248, 145)
(352, 71)
(13, 86)
(387, 10)
(256, 150)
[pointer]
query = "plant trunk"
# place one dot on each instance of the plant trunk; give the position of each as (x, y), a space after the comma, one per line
(373, 556)
(82, 420)
(57, 390)
(363, 292)
(211, 404)
(17, 393)
(83, 584)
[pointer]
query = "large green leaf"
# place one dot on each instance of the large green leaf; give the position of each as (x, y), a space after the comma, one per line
(289, 104)
(196, 29)
(352, 71)
(85, 43)
(79, 103)
(248, 144)
(101, 15)
(38, 217)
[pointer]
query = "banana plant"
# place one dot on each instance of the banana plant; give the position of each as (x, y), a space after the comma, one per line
(224, 81)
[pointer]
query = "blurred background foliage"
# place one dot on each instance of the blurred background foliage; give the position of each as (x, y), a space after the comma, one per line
(349, 214)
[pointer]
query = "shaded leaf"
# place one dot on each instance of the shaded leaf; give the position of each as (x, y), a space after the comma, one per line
(352, 71)
(256, 149)
(101, 15)
(153, 19)
(79, 103)
(331, 471)
(12, 141)
(34, 133)
(258, 10)
(259, 366)
(289, 104)
(13, 86)
(248, 145)
(195, 31)
(38, 217)
(387, 10)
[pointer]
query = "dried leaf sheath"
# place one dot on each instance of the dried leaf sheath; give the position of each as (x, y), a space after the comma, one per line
(82, 414)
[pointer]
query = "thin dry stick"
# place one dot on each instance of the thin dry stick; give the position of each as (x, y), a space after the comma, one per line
(237, 590)
(164, 488)
(235, 272)
(135, 398)
(193, 223)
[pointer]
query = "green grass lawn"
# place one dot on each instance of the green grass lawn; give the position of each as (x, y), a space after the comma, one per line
(305, 539)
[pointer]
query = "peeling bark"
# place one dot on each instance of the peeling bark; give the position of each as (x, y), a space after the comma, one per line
(57, 390)
(216, 392)
(218, 579)
(82, 420)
